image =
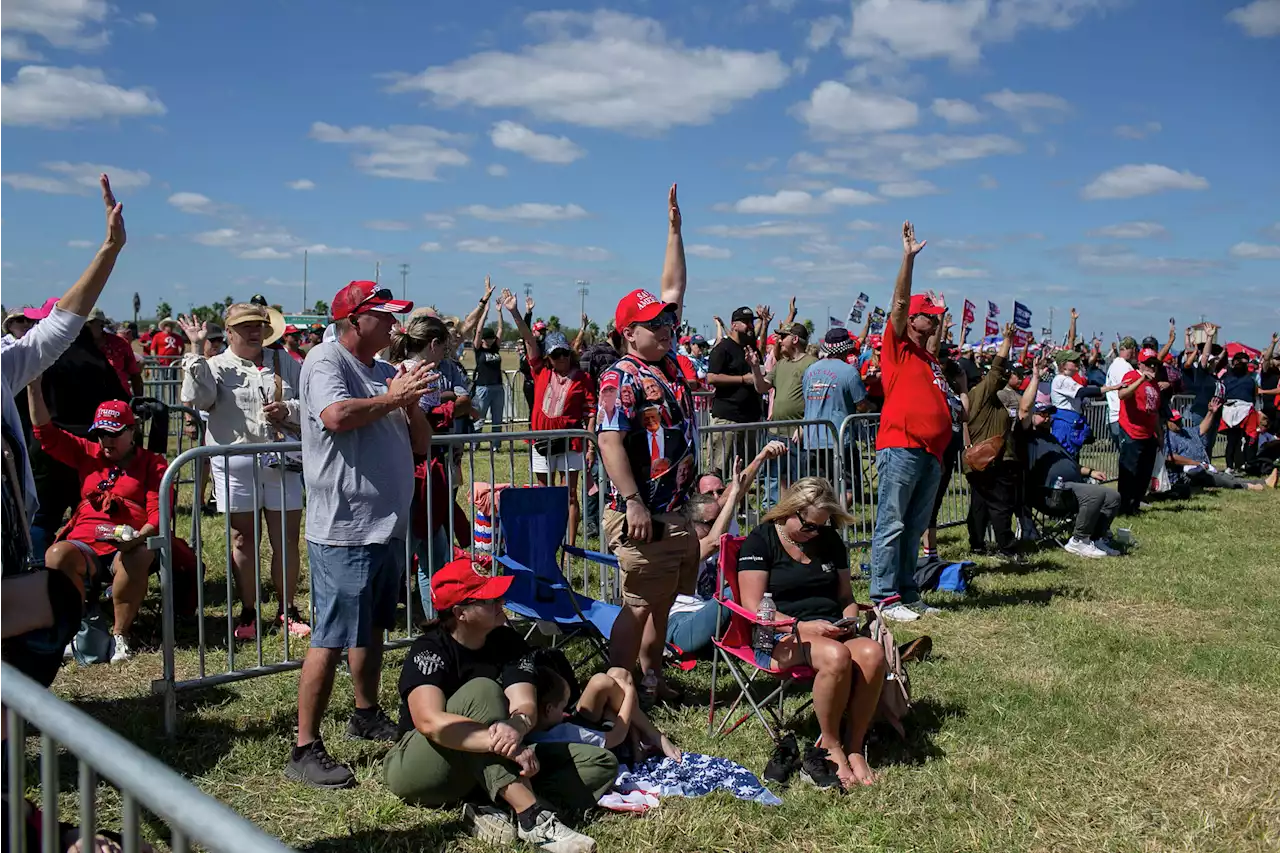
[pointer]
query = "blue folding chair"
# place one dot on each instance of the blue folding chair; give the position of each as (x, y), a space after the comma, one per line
(531, 527)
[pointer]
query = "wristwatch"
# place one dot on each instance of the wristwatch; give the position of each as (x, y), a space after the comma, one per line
(626, 499)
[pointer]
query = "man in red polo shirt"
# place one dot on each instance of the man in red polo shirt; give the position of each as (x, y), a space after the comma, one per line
(1139, 431)
(915, 429)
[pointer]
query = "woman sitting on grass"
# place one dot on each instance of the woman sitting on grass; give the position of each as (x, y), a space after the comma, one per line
(468, 705)
(797, 555)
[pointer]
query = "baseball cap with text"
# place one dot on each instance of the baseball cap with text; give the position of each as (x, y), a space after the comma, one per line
(921, 303)
(639, 306)
(360, 297)
(113, 416)
(1147, 355)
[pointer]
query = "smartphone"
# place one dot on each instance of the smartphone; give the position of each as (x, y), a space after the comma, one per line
(848, 623)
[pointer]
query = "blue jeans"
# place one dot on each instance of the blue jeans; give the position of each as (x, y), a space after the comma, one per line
(489, 401)
(909, 478)
(432, 554)
(1115, 434)
(691, 631)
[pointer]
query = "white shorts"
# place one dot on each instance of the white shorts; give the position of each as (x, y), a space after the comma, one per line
(571, 461)
(240, 481)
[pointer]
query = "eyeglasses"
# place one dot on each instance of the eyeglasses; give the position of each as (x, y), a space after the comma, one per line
(381, 293)
(665, 320)
(100, 435)
(809, 526)
(112, 476)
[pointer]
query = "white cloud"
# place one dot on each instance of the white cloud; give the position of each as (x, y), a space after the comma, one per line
(443, 221)
(1120, 260)
(301, 184)
(955, 111)
(221, 237)
(386, 225)
(80, 244)
(762, 229)
(497, 170)
(863, 225)
(761, 165)
(1131, 230)
(263, 253)
(541, 147)
(908, 189)
(987, 182)
(528, 212)
(1256, 251)
(15, 49)
(67, 24)
(77, 178)
(835, 109)
(604, 69)
(826, 270)
(882, 253)
(42, 96)
(899, 156)
(412, 152)
(1138, 131)
(822, 31)
(1141, 179)
(322, 249)
(499, 246)
(192, 202)
(903, 30)
(431, 247)
(1028, 108)
(798, 202)
(145, 19)
(702, 250)
(1260, 19)
(960, 272)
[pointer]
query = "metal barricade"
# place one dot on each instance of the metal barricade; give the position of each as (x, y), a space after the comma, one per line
(722, 444)
(102, 754)
(702, 401)
(1101, 454)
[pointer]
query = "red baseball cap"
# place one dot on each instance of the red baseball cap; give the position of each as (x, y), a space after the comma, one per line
(291, 329)
(922, 304)
(43, 311)
(639, 306)
(113, 416)
(461, 581)
(539, 325)
(1148, 354)
(359, 297)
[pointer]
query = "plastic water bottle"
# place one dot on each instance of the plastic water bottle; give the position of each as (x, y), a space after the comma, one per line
(1059, 484)
(763, 640)
(115, 533)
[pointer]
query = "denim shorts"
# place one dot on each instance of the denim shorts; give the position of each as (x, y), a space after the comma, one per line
(355, 590)
(763, 659)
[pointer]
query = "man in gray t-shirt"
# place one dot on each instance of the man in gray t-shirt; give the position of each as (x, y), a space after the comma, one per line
(361, 426)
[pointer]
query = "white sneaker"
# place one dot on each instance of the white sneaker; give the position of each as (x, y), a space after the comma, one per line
(922, 609)
(122, 652)
(489, 823)
(1083, 548)
(1105, 548)
(900, 613)
(551, 835)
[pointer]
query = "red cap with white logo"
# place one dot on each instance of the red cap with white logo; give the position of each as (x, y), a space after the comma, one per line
(639, 306)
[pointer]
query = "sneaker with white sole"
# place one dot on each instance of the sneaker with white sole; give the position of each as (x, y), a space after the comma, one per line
(1105, 547)
(549, 834)
(489, 823)
(922, 609)
(900, 613)
(1083, 548)
(122, 652)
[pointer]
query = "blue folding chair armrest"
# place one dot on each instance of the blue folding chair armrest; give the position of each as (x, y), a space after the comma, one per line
(593, 556)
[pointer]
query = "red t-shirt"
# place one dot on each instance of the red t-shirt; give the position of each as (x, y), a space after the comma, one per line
(165, 346)
(120, 356)
(135, 493)
(560, 402)
(915, 412)
(1140, 414)
(688, 370)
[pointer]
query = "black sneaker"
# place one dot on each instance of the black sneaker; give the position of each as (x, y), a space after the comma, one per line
(784, 761)
(312, 765)
(372, 726)
(818, 770)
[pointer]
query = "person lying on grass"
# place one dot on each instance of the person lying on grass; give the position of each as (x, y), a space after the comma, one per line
(607, 714)
(468, 705)
(798, 556)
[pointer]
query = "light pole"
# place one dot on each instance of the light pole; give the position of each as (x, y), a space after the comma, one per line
(584, 288)
(404, 281)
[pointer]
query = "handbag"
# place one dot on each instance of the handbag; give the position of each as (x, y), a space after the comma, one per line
(549, 447)
(93, 643)
(980, 456)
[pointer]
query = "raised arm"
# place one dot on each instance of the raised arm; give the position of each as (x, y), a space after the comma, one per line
(765, 315)
(866, 330)
(473, 320)
(580, 342)
(84, 293)
(675, 275)
(1071, 330)
(1027, 401)
(1269, 354)
(719, 330)
(898, 312)
(1173, 336)
(508, 301)
(479, 333)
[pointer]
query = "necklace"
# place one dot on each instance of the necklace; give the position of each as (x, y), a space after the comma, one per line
(786, 540)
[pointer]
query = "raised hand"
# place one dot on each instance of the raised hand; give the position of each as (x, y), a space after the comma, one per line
(947, 323)
(488, 289)
(673, 209)
(792, 306)
(766, 313)
(909, 244)
(719, 322)
(1008, 330)
(115, 216)
(195, 330)
(508, 300)
(584, 322)
(529, 304)
(1075, 314)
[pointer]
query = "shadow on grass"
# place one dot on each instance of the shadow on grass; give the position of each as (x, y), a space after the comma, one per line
(927, 718)
(1040, 597)
(435, 837)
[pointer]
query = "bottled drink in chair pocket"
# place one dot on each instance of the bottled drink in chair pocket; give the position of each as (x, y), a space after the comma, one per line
(763, 640)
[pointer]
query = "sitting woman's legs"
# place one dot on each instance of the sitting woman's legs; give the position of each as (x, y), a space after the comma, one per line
(831, 688)
(691, 631)
(131, 571)
(869, 668)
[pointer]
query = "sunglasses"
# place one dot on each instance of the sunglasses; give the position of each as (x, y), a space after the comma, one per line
(809, 526)
(665, 320)
(381, 293)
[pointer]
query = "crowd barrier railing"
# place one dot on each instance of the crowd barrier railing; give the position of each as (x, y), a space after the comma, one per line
(143, 781)
(476, 458)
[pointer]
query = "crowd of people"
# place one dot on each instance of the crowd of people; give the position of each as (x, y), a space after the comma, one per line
(483, 714)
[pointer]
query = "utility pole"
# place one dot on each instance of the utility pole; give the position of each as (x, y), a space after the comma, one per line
(584, 288)
(528, 290)
(1051, 322)
(377, 271)
(404, 281)
(304, 282)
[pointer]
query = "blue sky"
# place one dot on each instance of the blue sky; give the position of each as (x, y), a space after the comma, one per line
(1114, 155)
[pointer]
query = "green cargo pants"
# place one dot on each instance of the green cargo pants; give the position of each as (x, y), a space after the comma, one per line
(571, 775)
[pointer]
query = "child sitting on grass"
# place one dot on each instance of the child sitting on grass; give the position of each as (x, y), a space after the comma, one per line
(608, 714)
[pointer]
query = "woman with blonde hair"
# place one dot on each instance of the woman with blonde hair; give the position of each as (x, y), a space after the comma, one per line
(798, 556)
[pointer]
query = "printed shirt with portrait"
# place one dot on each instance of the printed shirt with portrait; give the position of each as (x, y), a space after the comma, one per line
(652, 406)
(1139, 414)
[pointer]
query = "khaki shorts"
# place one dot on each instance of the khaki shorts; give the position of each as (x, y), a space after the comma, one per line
(654, 572)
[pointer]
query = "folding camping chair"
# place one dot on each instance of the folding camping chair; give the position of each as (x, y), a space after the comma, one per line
(1055, 513)
(733, 647)
(531, 525)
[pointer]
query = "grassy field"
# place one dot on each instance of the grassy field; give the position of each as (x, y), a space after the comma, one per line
(1111, 705)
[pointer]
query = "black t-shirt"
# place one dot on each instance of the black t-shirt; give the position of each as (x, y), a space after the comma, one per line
(737, 403)
(78, 382)
(1270, 380)
(971, 371)
(1239, 386)
(803, 591)
(437, 659)
(488, 364)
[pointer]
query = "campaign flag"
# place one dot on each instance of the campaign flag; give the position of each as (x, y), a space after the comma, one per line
(833, 323)
(993, 310)
(1019, 337)
(877, 321)
(855, 313)
(993, 328)
(964, 339)
(970, 311)
(1021, 316)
